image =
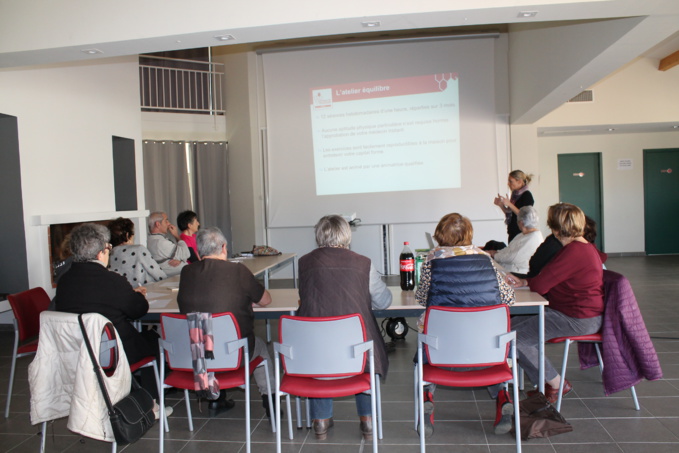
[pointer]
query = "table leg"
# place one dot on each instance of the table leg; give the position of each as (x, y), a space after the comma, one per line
(541, 349)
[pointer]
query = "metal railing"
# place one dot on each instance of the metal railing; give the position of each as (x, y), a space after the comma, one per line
(180, 86)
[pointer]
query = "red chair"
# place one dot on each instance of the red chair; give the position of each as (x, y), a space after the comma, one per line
(469, 337)
(595, 338)
(231, 365)
(27, 307)
(325, 357)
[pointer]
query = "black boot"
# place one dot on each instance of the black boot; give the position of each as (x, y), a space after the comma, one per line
(220, 405)
(267, 409)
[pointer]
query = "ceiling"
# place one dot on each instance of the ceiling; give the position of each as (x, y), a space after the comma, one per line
(35, 32)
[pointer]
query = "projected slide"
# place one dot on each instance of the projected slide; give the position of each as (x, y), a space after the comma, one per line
(387, 135)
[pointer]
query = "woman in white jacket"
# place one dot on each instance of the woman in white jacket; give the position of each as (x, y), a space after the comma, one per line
(515, 257)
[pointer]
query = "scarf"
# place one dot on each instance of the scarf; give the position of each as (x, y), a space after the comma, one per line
(516, 194)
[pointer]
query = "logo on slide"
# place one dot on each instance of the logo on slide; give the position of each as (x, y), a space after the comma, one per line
(322, 98)
(445, 79)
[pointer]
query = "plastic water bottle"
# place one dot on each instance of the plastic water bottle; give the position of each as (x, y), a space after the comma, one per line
(407, 267)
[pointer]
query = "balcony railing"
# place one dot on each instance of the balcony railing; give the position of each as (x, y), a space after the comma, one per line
(180, 86)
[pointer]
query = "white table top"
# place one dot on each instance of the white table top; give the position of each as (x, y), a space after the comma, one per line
(162, 297)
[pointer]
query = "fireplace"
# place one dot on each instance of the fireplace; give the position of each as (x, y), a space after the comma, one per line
(59, 226)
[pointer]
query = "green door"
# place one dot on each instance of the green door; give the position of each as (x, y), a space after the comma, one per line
(661, 200)
(580, 184)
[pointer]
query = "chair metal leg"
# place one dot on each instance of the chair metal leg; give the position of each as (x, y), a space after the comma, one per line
(566, 347)
(43, 437)
(634, 396)
(379, 407)
(517, 418)
(287, 402)
(114, 447)
(13, 369)
(188, 409)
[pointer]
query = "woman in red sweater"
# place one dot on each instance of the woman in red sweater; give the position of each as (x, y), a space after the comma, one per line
(572, 282)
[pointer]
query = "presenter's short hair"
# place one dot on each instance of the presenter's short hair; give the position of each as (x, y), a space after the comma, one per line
(566, 220)
(333, 231)
(210, 241)
(87, 240)
(454, 229)
(521, 176)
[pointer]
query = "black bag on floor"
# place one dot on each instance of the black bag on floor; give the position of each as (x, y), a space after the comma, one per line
(130, 417)
(539, 418)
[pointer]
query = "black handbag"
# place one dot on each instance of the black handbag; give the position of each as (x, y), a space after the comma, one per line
(130, 417)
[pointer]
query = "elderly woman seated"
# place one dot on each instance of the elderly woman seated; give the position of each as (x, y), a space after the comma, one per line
(88, 287)
(572, 282)
(516, 257)
(458, 274)
(132, 261)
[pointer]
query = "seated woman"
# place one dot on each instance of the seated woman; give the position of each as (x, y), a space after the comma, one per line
(132, 261)
(457, 274)
(325, 274)
(573, 283)
(88, 287)
(187, 222)
(515, 257)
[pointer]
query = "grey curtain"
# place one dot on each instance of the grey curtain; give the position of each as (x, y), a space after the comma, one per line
(166, 177)
(211, 186)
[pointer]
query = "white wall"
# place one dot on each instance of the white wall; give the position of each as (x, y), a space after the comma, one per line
(67, 115)
(184, 126)
(636, 94)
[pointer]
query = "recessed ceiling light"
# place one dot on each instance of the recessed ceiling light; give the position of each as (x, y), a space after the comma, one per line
(371, 23)
(225, 37)
(525, 14)
(92, 51)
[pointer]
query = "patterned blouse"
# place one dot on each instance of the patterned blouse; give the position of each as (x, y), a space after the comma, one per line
(506, 291)
(134, 262)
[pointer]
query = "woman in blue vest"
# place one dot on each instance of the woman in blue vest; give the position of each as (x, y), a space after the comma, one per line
(458, 274)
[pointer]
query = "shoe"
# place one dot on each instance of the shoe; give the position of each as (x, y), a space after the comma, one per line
(552, 394)
(267, 409)
(321, 427)
(220, 405)
(504, 413)
(367, 427)
(156, 411)
(428, 415)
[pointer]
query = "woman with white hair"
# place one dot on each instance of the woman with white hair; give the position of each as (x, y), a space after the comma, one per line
(334, 281)
(516, 257)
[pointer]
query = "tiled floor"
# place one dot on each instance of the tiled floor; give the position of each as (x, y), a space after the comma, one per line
(463, 418)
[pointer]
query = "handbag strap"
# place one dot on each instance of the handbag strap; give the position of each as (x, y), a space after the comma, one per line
(95, 367)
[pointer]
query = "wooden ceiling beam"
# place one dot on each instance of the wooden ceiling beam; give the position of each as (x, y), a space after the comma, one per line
(669, 61)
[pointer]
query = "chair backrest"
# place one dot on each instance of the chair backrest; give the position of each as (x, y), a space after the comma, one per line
(108, 350)
(175, 330)
(27, 307)
(467, 336)
(322, 347)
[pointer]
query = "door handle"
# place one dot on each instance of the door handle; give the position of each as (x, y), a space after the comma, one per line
(582, 174)
(669, 170)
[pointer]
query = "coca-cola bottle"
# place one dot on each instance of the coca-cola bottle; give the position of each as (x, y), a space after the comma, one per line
(407, 267)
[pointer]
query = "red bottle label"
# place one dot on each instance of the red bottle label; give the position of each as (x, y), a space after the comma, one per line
(407, 265)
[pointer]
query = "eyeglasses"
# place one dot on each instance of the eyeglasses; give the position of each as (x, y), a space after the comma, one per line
(108, 247)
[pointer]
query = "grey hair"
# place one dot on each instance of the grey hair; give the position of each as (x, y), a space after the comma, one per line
(210, 241)
(333, 231)
(87, 240)
(528, 215)
(156, 216)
